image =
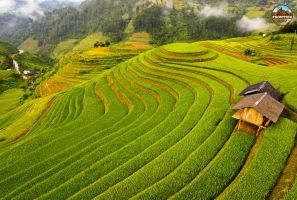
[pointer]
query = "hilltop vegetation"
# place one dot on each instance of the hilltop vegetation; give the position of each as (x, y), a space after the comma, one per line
(177, 21)
(155, 126)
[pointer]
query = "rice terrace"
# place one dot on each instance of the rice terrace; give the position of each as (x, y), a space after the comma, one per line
(209, 119)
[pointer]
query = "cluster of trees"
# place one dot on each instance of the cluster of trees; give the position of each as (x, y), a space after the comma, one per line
(93, 16)
(181, 25)
(28, 61)
(289, 28)
(249, 52)
(102, 44)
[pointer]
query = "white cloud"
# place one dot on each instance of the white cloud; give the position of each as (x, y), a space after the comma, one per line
(215, 11)
(250, 25)
(6, 6)
(31, 9)
(28, 8)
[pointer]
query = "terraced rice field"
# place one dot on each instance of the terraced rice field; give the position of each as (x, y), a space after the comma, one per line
(270, 53)
(157, 126)
(77, 68)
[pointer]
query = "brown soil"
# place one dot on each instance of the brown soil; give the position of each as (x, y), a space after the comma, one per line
(238, 55)
(275, 61)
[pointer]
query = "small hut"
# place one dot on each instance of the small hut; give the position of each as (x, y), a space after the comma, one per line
(257, 111)
(262, 87)
(31, 73)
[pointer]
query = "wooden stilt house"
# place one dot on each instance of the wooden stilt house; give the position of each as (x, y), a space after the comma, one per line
(258, 108)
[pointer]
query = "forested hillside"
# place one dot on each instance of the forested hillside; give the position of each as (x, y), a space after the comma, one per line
(177, 21)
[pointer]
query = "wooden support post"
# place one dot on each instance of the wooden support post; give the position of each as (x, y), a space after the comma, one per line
(239, 124)
(259, 129)
(267, 123)
(236, 127)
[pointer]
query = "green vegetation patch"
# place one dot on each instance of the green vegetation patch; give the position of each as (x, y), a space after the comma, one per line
(291, 99)
(184, 48)
(10, 99)
(7, 49)
(9, 80)
(64, 48)
(255, 13)
(267, 164)
(29, 61)
(89, 41)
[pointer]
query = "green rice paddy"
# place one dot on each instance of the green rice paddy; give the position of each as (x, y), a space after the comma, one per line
(156, 126)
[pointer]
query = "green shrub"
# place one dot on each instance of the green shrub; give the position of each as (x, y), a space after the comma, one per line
(83, 72)
(107, 43)
(275, 38)
(249, 52)
(2, 139)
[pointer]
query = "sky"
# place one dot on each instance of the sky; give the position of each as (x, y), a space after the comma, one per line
(28, 8)
(285, 8)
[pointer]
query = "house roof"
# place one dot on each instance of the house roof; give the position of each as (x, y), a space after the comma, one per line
(31, 73)
(263, 103)
(262, 87)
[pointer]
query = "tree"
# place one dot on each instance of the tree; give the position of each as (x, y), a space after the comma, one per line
(107, 43)
(249, 52)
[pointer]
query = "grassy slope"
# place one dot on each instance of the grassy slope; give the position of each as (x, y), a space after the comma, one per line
(153, 127)
(63, 48)
(89, 41)
(30, 45)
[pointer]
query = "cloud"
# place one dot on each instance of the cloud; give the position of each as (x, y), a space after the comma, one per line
(30, 8)
(246, 24)
(6, 6)
(215, 11)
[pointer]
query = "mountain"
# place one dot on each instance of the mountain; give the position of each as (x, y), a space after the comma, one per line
(178, 20)
(21, 13)
(96, 16)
